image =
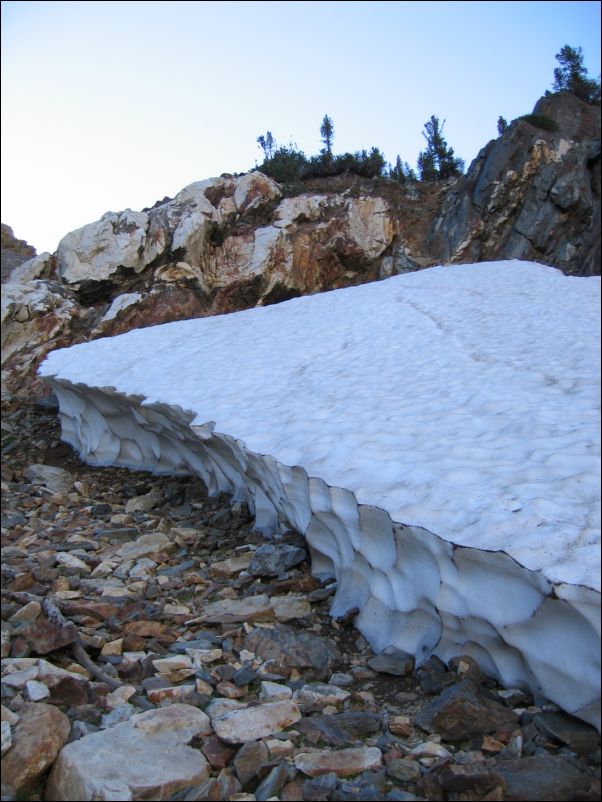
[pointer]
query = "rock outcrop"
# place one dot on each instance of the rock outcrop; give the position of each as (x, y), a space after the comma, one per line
(235, 242)
(220, 245)
(531, 194)
(14, 251)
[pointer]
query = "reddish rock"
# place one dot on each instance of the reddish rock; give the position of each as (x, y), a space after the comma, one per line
(41, 732)
(43, 636)
(465, 710)
(217, 752)
(230, 690)
(70, 691)
(167, 304)
(473, 780)
(98, 610)
(227, 785)
(150, 629)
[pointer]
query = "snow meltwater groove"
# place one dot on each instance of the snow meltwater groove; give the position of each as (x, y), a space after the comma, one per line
(435, 436)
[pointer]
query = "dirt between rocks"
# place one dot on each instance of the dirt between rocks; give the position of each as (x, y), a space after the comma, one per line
(112, 584)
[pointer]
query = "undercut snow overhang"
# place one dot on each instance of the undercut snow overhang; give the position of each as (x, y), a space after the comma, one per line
(435, 436)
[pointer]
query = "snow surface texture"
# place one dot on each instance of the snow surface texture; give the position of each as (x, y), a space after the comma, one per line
(443, 432)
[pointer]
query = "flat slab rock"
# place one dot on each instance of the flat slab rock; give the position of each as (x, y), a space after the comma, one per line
(578, 736)
(343, 762)
(340, 729)
(292, 648)
(546, 777)
(397, 663)
(147, 757)
(57, 480)
(251, 723)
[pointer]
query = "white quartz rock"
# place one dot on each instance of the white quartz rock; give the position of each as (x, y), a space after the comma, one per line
(145, 757)
(251, 723)
(96, 250)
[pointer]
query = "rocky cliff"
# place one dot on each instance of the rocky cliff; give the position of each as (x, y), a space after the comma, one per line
(235, 242)
(531, 194)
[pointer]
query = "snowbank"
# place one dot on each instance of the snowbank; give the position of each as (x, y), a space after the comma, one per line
(435, 436)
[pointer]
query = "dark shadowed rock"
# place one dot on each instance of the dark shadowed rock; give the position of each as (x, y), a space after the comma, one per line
(294, 649)
(432, 675)
(394, 662)
(320, 788)
(546, 777)
(466, 667)
(340, 729)
(471, 780)
(404, 770)
(71, 691)
(368, 787)
(577, 735)
(464, 710)
(271, 785)
(250, 760)
(273, 559)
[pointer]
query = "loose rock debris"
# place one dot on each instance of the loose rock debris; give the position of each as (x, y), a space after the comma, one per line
(155, 647)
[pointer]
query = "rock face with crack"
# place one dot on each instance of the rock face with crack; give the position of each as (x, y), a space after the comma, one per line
(434, 436)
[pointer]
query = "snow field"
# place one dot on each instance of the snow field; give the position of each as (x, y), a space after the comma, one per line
(434, 435)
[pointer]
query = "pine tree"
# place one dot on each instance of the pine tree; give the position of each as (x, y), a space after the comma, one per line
(375, 163)
(572, 77)
(268, 144)
(437, 162)
(402, 172)
(502, 124)
(327, 134)
(426, 166)
(397, 173)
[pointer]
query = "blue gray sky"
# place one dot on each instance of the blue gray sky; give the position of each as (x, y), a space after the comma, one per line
(109, 105)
